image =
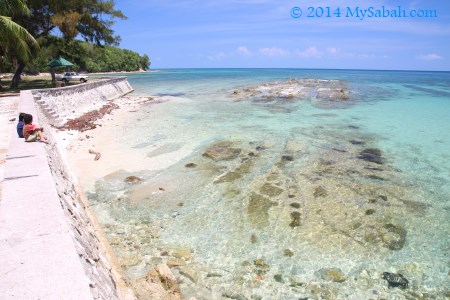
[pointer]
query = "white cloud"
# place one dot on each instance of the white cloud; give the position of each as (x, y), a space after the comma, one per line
(242, 50)
(332, 51)
(219, 56)
(309, 52)
(274, 51)
(432, 56)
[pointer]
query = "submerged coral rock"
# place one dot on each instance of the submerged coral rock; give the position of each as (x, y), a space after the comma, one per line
(295, 204)
(183, 253)
(395, 280)
(278, 277)
(332, 274)
(295, 219)
(222, 151)
(258, 210)
(287, 158)
(159, 283)
(370, 212)
(253, 239)
(229, 177)
(270, 190)
(394, 236)
(192, 271)
(288, 252)
(320, 192)
(130, 260)
(261, 265)
(175, 262)
(190, 165)
(371, 155)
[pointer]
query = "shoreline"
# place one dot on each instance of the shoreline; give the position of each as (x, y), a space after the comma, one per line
(109, 145)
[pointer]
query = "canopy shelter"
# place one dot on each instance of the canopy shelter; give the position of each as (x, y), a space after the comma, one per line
(58, 62)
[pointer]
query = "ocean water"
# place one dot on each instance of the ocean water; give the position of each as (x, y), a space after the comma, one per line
(285, 198)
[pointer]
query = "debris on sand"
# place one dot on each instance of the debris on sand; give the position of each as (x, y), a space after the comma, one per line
(87, 121)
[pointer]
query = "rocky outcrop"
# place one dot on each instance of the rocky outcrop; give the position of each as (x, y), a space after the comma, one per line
(320, 91)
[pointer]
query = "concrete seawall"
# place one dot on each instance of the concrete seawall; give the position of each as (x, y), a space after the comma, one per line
(51, 246)
(60, 104)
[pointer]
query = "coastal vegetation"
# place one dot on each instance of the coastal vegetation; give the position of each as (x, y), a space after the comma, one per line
(86, 56)
(29, 30)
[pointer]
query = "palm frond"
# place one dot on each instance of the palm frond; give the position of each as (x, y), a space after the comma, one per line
(16, 40)
(13, 7)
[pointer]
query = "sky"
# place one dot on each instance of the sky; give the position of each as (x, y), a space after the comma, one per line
(326, 34)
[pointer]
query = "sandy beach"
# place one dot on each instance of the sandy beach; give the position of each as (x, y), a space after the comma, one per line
(105, 139)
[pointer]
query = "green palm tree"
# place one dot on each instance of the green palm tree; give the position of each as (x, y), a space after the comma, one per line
(15, 41)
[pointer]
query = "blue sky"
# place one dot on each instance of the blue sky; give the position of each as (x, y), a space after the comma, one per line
(263, 34)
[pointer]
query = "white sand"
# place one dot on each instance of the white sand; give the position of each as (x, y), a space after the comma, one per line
(115, 155)
(8, 111)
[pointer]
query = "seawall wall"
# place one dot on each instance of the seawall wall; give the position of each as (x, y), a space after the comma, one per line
(60, 104)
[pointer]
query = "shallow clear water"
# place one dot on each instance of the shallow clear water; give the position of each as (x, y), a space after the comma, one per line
(296, 201)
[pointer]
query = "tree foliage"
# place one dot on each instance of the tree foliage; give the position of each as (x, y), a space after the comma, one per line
(87, 56)
(89, 19)
(15, 41)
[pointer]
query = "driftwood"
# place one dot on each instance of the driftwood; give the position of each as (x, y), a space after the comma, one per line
(97, 154)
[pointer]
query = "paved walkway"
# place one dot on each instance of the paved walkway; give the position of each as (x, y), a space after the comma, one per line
(38, 259)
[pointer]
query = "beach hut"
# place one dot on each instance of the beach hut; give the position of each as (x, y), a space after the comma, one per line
(58, 62)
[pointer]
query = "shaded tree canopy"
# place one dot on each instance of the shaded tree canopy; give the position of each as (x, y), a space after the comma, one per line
(88, 19)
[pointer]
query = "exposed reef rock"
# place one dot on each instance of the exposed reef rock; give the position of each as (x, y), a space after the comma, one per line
(321, 91)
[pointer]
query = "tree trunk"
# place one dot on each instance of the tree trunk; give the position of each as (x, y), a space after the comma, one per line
(52, 71)
(16, 79)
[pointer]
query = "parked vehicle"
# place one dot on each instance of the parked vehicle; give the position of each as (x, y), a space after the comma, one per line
(72, 76)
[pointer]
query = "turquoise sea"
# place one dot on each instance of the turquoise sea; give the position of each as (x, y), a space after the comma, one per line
(309, 200)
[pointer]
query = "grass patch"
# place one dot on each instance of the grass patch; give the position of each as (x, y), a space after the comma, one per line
(25, 84)
(28, 83)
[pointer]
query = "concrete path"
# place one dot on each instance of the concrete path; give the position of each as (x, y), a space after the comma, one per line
(38, 259)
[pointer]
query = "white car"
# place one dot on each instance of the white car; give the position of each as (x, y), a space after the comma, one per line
(72, 76)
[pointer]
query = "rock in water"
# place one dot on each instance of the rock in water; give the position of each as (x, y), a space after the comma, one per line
(320, 192)
(395, 280)
(371, 155)
(295, 219)
(332, 274)
(222, 151)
